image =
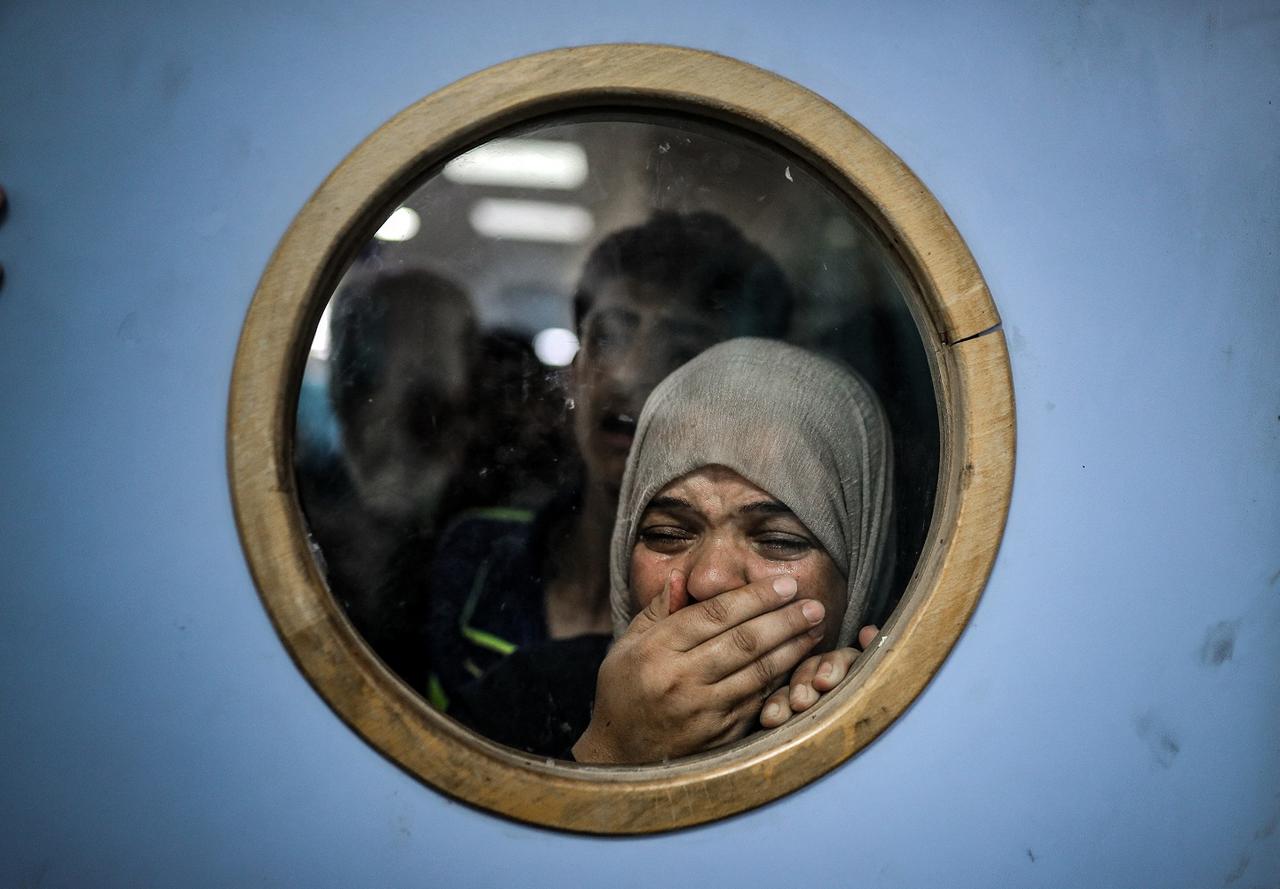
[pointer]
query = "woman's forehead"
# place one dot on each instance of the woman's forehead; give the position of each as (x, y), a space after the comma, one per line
(713, 485)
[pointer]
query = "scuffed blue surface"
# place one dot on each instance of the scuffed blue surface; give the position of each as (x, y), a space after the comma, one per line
(1114, 170)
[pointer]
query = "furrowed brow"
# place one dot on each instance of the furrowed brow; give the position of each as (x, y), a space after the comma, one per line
(668, 503)
(768, 507)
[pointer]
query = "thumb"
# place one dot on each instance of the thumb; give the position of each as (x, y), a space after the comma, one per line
(673, 597)
(677, 590)
(867, 635)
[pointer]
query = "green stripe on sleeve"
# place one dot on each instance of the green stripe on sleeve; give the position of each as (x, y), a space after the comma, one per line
(488, 640)
(435, 694)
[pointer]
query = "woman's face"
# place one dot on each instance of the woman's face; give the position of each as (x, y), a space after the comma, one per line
(723, 532)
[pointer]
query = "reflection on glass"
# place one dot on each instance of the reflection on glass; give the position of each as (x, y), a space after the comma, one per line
(401, 225)
(474, 387)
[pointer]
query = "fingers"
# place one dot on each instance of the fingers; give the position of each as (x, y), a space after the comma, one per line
(749, 642)
(777, 709)
(674, 596)
(677, 590)
(802, 695)
(867, 635)
(816, 675)
(749, 684)
(833, 668)
(705, 620)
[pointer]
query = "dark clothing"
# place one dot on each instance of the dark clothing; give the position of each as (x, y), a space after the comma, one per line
(538, 699)
(384, 596)
(493, 666)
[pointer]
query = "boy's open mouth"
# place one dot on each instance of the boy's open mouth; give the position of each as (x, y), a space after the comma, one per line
(619, 429)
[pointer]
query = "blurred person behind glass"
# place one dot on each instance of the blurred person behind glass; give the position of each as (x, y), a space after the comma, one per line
(400, 389)
(520, 617)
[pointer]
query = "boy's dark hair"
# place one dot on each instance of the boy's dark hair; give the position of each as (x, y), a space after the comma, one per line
(698, 256)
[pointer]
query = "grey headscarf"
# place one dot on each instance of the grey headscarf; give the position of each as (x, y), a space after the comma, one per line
(806, 430)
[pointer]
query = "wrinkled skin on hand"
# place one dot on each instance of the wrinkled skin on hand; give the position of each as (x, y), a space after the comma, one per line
(688, 677)
(815, 676)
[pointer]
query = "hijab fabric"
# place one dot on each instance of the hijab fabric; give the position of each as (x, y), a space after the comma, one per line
(805, 429)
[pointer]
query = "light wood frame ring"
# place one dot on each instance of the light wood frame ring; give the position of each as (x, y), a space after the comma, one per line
(969, 360)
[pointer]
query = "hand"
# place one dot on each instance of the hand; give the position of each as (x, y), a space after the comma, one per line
(683, 679)
(816, 676)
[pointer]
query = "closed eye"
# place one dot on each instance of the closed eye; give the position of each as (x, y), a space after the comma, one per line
(666, 539)
(775, 545)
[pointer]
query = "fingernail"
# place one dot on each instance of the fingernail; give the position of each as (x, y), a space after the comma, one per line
(825, 670)
(785, 587)
(812, 610)
(804, 695)
(773, 711)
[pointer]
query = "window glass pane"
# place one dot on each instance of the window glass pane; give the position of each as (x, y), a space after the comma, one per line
(474, 384)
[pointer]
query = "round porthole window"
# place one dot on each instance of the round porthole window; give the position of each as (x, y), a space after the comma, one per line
(621, 425)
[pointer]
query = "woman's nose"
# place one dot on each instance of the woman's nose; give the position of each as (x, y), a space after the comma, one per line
(715, 567)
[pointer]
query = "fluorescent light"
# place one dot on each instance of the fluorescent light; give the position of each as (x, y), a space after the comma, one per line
(528, 163)
(531, 220)
(401, 225)
(555, 346)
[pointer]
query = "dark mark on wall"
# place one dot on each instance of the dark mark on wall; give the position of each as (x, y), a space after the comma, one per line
(1238, 871)
(174, 80)
(1032, 856)
(1017, 342)
(128, 329)
(1160, 740)
(36, 878)
(1276, 576)
(1219, 643)
(1269, 828)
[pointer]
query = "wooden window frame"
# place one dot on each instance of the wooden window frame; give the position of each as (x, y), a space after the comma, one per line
(971, 375)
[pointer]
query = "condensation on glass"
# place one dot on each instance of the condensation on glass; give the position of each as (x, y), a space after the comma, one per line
(472, 385)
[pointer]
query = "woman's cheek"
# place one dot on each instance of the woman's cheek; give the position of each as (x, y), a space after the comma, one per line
(648, 576)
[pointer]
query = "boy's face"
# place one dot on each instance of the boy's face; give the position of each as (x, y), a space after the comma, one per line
(403, 442)
(632, 336)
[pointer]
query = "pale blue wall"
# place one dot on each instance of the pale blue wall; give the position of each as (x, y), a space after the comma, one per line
(1115, 170)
